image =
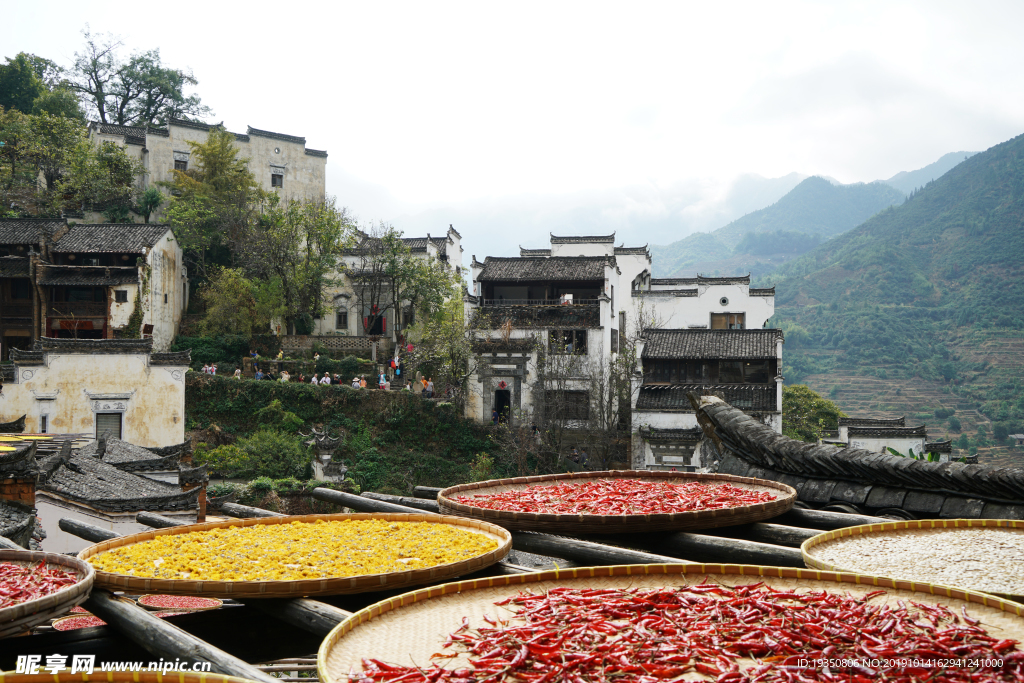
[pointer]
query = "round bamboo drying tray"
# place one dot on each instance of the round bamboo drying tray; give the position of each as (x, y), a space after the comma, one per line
(23, 616)
(154, 608)
(911, 528)
(408, 628)
(618, 524)
(309, 587)
(57, 622)
(121, 677)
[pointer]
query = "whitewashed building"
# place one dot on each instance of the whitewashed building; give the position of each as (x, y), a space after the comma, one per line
(577, 297)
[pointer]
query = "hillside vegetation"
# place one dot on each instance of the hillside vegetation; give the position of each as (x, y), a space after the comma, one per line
(813, 211)
(908, 181)
(929, 290)
(392, 441)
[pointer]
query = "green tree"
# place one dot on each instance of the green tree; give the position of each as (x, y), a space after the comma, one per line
(214, 203)
(443, 341)
(238, 305)
(18, 175)
(150, 201)
(140, 91)
(20, 85)
(299, 244)
(954, 424)
(59, 102)
(805, 414)
(102, 177)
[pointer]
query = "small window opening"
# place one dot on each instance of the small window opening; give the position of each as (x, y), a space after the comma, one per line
(180, 165)
(276, 180)
(120, 296)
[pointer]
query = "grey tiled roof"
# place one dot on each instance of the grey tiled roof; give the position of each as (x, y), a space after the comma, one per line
(131, 238)
(418, 244)
(534, 252)
(103, 486)
(770, 291)
(702, 280)
(14, 521)
(20, 462)
(632, 251)
(171, 358)
(552, 268)
(276, 136)
(853, 475)
(316, 153)
(28, 230)
(748, 397)
(92, 346)
(54, 276)
(135, 140)
(655, 434)
(129, 457)
(939, 446)
(667, 293)
(872, 422)
(13, 266)
(115, 129)
(889, 432)
(701, 344)
(583, 239)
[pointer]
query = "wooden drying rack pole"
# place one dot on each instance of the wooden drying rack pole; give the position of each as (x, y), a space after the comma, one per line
(675, 546)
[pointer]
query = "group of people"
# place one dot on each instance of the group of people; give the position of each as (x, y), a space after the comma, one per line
(209, 369)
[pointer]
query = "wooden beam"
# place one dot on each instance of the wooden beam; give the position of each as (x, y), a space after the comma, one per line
(426, 492)
(827, 521)
(86, 531)
(359, 503)
(157, 521)
(8, 544)
(166, 640)
(704, 548)
(584, 552)
(776, 534)
(418, 503)
(309, 615)
(246, 512)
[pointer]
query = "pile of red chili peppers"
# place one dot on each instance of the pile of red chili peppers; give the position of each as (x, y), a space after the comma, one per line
(19, 583)
(750, 633)
(619, 497)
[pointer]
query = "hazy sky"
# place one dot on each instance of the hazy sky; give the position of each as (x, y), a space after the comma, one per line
(579, 116)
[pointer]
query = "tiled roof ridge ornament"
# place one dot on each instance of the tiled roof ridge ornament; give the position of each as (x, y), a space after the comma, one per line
(101, 444)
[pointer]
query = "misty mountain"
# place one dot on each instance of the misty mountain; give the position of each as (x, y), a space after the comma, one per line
(930, 289)
(816, 208)
(908, 181)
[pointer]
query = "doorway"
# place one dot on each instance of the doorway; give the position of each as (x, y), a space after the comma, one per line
(503, 404)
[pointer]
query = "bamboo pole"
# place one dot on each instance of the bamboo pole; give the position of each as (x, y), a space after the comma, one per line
(418, 503)
(584, 552)
(827, 521)
(246, 512)
(86, 531)
(426, 492)
(166, 640)
(157, 521)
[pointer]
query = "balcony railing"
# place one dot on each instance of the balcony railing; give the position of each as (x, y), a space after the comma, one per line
(592, 301)
(76, 309)
(8, 310)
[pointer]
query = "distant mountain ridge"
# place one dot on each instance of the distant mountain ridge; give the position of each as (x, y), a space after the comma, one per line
(921, 290)
(816, 208)
(908, 181)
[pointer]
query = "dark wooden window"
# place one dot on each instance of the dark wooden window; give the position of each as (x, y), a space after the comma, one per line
(21, 288)
(276, 180)
(568, 341)
(756, 372)
(568, 405)
(727, 321)
(121, 296)
(341, 320)
(730, 371)
(180, 165)
(615, 341)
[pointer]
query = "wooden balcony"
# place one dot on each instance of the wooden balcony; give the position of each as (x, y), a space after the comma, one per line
(76, 309)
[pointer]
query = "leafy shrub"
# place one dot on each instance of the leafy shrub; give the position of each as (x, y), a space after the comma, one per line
(482, 468)
(262, 485)
(348, 367)
(276, 417)
(267, 453)
(954, 424)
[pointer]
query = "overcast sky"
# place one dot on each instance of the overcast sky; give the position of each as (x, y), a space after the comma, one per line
(512, 119)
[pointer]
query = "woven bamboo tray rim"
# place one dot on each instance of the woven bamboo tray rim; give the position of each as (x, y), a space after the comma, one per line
(122, 677)
(20, 617)
(609, 524)
(152, 608)
(459, 599)
(307, 587)
(909, 526)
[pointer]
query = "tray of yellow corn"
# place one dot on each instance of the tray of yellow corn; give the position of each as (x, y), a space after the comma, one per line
(302, 555)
